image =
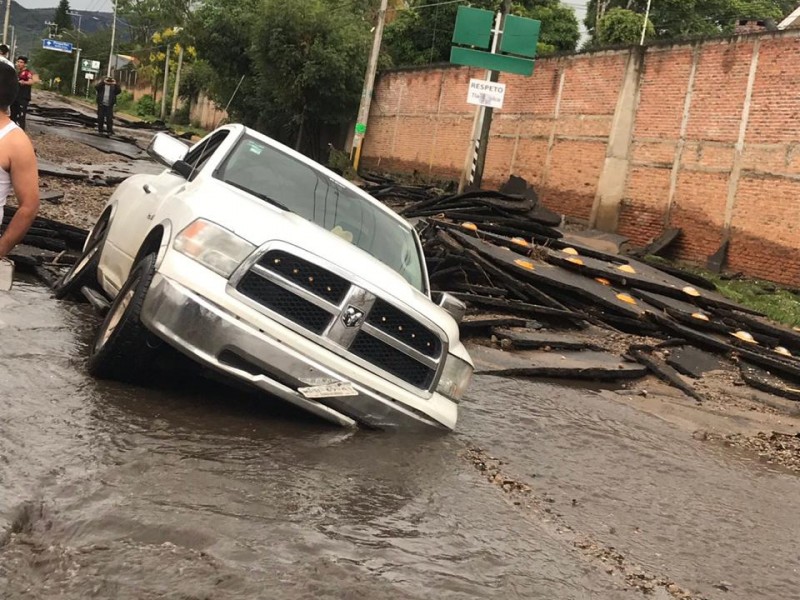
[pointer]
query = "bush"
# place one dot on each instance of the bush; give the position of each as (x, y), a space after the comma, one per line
(125, 101)
(339, 162)
(146, 106)
(181, 116)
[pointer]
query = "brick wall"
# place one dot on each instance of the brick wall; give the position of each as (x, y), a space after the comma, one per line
(715, 147)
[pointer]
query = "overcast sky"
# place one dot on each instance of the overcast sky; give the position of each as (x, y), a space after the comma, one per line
(100, 5)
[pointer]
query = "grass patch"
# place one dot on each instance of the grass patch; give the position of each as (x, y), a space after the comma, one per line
(777, 303)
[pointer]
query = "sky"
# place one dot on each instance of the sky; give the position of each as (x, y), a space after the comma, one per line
(93, 5)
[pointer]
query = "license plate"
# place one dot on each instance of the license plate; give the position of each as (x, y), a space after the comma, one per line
(329, 390)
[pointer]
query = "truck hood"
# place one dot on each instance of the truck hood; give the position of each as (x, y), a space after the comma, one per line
(260, 222)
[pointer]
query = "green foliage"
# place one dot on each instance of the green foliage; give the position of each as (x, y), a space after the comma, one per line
(778, 304)
(339, 162)
(300, 63)
(621, 26)
(559, 24)
(181, 116)
(681, 19)
(125, 101)
(146, 106)
(195, 79)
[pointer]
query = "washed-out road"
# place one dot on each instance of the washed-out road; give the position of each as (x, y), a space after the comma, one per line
(194, 490)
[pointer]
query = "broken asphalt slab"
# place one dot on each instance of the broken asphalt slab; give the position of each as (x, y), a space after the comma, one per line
(694, 362)
(526, 339)
(573, 365)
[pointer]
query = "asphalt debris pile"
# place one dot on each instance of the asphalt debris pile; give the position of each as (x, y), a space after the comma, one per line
(48, 246)
(549, 290)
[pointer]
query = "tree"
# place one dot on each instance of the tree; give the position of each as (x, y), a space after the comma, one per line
(300, 63)
(621, 26)
(681, 19)
(62, 20)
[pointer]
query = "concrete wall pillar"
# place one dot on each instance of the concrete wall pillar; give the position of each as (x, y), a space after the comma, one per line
(613, 177)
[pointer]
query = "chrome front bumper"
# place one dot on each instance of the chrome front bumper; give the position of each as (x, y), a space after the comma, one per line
(215, 338)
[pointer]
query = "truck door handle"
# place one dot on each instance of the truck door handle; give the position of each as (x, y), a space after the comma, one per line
(148, 189)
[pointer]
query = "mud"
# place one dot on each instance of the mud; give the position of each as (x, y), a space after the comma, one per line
(189, 489)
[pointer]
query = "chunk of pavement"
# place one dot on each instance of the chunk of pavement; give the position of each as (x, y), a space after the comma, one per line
(570, 365)
(527, 339)
(765, 381)
(51, 196)
(694, 362)
(479, 323)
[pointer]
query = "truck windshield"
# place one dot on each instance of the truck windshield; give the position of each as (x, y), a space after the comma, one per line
(277, 178)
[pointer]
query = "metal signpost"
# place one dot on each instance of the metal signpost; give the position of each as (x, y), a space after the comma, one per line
(90, 68)
(509, 46)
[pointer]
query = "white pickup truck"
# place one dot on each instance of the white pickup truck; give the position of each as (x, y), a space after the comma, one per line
(259, 263)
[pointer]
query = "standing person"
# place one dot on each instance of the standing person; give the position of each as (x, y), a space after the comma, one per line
(18, 169)
(107, 91)
(4, 50)
(20, 107)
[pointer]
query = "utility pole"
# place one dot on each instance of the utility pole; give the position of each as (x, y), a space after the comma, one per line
(5, 22)
(164, 90)
(644, 26)
(113, 38)
(175, 91)
(77, 51)
(369, 84)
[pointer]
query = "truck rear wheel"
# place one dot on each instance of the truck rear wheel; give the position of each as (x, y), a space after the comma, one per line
(124, 349)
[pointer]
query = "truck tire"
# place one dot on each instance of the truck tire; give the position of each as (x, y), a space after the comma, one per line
(123, 348)
(84, 271)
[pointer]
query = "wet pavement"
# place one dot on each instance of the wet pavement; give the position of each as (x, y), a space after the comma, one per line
(199, 491)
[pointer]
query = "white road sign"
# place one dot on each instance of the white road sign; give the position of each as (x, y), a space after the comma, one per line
(486, 93)
(89, 75)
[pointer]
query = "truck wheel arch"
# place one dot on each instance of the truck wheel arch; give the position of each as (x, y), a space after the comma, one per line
(156, 242)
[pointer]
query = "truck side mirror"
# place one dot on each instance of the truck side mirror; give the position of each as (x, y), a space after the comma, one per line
(451, 304)
(166, 150)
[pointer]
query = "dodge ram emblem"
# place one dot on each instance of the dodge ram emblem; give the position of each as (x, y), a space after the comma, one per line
(352, 317)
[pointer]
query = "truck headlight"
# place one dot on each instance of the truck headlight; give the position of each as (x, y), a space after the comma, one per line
(213, 246)
(455, 378)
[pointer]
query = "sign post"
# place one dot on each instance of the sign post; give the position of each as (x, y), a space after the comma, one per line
(517, 38)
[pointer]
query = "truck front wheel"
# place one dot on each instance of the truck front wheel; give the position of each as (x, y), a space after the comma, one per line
(123, 348)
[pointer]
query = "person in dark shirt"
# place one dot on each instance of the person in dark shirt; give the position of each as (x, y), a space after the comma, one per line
(107, 91)
(20, 106)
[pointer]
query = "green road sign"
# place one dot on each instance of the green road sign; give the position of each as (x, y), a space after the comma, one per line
(473, 27)
(90, 66)
(492, 62)
(520, 36)
(517, 44)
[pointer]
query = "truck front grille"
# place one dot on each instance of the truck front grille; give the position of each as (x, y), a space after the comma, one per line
(382, 337)
(284, 302)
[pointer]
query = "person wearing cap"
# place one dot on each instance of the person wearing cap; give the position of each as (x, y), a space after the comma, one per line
(107, 91)
(20, 107)
(4, 51)
(18, 170)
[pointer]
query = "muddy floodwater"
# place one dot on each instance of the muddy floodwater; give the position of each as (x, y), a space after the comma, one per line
(193, 490)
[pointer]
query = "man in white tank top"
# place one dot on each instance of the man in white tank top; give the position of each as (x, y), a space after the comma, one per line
(18, 170)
